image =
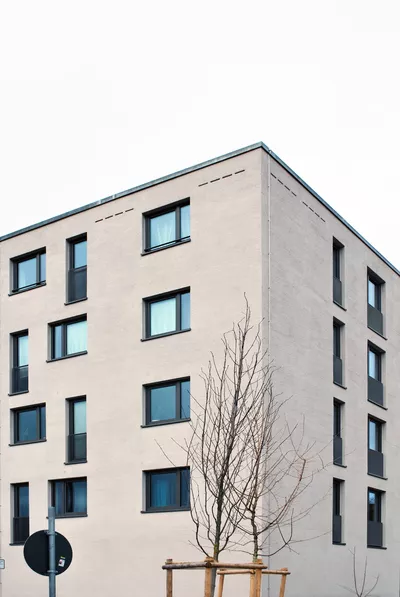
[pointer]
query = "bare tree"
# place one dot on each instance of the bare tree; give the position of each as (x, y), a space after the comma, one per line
(360, 589)
(239, 457)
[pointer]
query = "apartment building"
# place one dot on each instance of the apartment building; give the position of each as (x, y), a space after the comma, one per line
(107, 315)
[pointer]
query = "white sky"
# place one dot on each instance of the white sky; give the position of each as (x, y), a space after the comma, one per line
(97, 97)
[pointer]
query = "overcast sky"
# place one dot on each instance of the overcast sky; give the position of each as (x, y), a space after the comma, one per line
(97, 97)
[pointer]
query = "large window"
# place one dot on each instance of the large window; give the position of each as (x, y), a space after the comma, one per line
(167, 489)
(28, 271)
(167, 402)
(68, 338)
(374, 517)
(20, 530)
(77, 430)
(167, 313)
(69, 497)
(19, 368)
(77, 269)
(167, 227)
(29, 424)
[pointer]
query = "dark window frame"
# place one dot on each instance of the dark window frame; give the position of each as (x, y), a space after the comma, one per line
(15, 423)
(172, 207)
(175, 508)
(71, 428)
(337, 417)
(378, 353)
(148, 301)
(16, 511)
(378, 505)
(15, 358)
(65, 482)
(378, 433)
(337, 338)
(15, 261)
(178, 397)
(337, 265)
(64, 323)
(71, 242)
(378, 283)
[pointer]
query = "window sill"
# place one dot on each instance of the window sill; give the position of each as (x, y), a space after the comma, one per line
(72, 515)
(344, 309)
(376, 547)
(377, 476)
(376, 404)
(68, 356)
(14, 292)
(75, 462)
(159, 423)
(166, 334)
(342, 466)
(338, 543)
(33, 441)
(158, 249)
(18, 393)
(77, 301)
(165, 511)
(340, 385)
(384, 337)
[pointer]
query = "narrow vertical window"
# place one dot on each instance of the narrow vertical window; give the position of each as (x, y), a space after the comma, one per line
(77, 269)
(337, 353)
(337, 433)
(77, 430)
(19, 368)
(374, 518)
(374, 294)
(20, 530)
(375, 455)
(337, 491)
(337, 257)
(375, 385)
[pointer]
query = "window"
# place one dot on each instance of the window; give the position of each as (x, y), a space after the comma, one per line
(167, 227)
(167, 401)
(28, 271)
(19, 369)
(168, 314)
(68, 338)
(77, 269)
(375, 317)
(337, 253)
(69, 497)
(374, 518)
(337, 432)
(337, 491)
(167, 489)
(29, 424)
(20, 530)
(375, 455)
(77, 430)
(337, 353)
(375, 385)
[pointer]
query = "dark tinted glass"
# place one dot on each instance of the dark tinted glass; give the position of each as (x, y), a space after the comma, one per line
(185, 489)
(185, 399)
(163, 490)
(76, 497)
(22, 502)
(27, 426)
(163, 403)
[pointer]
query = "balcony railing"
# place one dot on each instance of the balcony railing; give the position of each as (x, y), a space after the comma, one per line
(375, 319)
(375, 463)
(337, 290)
(337, 529)
(337, 370)
(375, 391)
(77, 447)
(20, 379)
(20, 529)
(337, 450)
(77, 284)
(375, 534)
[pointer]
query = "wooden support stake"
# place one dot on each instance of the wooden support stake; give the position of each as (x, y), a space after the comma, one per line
(283, 583)
(258, 579)
(252, 584)
(169, 579)
(221, 585)
(208, 579)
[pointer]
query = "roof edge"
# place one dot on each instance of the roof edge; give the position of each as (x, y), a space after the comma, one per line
(177, 174)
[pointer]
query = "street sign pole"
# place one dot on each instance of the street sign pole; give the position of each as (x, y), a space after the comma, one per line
(52, 551)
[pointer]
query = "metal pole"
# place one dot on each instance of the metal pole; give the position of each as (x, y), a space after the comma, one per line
(52, 551)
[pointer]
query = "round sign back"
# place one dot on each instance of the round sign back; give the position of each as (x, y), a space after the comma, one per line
(36, 553)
